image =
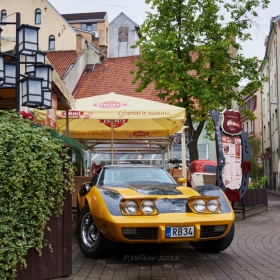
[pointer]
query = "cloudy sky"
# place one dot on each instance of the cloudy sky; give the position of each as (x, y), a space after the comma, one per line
(136, 10)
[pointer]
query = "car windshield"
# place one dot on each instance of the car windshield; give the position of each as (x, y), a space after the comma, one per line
(133, 174)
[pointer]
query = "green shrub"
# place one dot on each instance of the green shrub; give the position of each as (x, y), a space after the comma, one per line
(33, 168)
(258, 183)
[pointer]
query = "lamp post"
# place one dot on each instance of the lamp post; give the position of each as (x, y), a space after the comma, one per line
(37, 79)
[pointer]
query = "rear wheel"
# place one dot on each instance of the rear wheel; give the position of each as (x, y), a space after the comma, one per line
(92, 242)
(214, 246)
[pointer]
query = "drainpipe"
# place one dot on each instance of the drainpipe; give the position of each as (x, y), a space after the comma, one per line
(270, 136)
(277, 87)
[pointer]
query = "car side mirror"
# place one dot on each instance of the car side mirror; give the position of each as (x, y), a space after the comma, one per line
(182, 180)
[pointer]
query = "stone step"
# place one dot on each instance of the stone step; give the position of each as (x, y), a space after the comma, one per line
(249, 211)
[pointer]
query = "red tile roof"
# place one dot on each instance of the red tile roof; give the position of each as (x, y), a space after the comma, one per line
(61, 60)
(84, 16)
(112, 75)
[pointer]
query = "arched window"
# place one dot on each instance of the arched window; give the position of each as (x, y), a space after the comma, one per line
(3, 16)
(51, 42)
(38, 16)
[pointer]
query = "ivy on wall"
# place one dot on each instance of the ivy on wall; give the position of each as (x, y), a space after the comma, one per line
(33, 167)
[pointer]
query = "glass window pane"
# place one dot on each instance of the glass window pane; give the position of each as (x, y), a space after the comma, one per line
(52, 43)
(94, 27)
(4, 16)
(38, 16)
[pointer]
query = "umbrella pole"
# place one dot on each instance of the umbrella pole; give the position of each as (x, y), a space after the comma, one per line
(112, 141)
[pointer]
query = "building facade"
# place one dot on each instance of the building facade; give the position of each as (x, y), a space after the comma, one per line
(57, 38)
(93, 27)
(270, 106)
(123, 34)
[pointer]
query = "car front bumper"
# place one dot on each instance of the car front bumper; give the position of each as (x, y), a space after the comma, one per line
(204, 227)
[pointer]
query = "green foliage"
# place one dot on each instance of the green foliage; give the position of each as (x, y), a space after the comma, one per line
(191, 53)
(258, 183)
(255, 144)
(33, 168)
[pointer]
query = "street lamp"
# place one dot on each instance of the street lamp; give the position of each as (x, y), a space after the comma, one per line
(36, 82)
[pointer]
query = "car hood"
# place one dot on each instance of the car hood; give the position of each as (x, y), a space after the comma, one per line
(145, 189)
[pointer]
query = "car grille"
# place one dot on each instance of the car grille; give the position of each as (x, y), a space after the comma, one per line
(140, 233)
(212, 231)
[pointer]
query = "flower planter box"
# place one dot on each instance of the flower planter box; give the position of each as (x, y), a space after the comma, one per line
(262, 196)
(54, 264)
(250, 198)
(254, 197)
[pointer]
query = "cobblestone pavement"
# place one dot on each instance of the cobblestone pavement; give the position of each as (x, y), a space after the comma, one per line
(253, 254)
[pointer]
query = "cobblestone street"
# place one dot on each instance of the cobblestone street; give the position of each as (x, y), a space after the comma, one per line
(253, 254)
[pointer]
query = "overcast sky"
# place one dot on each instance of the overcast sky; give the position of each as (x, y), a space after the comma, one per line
(135, 9)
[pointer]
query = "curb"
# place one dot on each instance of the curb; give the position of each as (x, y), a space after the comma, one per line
(249, 211)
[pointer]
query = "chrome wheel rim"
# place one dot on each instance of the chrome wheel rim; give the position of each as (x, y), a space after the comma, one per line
(89, 231)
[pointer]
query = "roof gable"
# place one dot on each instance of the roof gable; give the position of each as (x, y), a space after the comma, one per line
(124, 16)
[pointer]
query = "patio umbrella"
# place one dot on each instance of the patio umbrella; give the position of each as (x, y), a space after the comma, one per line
(115, 116)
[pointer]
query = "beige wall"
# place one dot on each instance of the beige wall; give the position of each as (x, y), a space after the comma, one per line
(102, 28)
(52, 23)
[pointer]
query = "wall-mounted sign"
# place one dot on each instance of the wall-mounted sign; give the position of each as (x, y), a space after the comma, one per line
(231, 123)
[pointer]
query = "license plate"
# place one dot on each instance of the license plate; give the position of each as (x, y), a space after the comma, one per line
(179, 232)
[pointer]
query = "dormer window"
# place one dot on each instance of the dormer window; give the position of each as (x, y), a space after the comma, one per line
(38, 16)
(89, 27)
(3, 16)
(51, 42)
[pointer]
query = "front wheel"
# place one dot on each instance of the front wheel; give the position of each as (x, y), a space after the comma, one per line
(92, 242)
(214, 246)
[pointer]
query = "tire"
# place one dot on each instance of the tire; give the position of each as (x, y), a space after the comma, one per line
(92, 242)
(214, 246)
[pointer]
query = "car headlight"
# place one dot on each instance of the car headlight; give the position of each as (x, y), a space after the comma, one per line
(148, 207)
(213, 205)
(131, 207)
(200, 205)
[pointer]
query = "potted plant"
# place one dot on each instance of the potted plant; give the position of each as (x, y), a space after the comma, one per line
(256, 193)
(35, 173)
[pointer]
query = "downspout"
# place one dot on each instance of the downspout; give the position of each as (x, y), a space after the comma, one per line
(277, 85)
(270, 138)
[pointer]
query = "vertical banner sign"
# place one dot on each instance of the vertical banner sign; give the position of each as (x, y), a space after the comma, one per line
(233, 153)
(232, 171)
(51, 113)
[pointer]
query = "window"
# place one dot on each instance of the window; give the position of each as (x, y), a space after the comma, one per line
(3, 16)
(252, 126)
(51, 42)
(123, 34)
(89, 27)
(251, 103)
(38, 16)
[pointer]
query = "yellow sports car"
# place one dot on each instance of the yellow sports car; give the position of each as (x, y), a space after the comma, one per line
(143, 204)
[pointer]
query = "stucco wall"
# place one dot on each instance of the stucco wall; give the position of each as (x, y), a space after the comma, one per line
(52, 23)
(73, 76)
(121, 49)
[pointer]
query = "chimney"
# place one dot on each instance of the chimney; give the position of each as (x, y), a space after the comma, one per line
(79, 45)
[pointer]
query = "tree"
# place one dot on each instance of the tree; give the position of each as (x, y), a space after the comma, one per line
(190, 52)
